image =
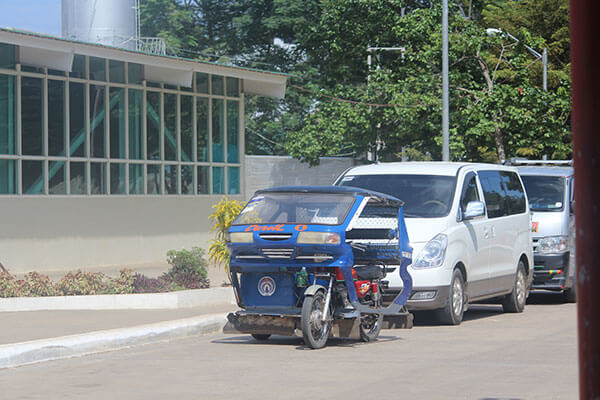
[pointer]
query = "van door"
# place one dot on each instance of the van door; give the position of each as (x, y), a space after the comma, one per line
(495, 230)
(477, 245)
(509, 228)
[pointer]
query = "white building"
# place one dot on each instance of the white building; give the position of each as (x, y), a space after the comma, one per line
(111, 157)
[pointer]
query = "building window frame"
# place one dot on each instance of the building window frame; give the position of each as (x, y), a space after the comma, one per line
(106, 160)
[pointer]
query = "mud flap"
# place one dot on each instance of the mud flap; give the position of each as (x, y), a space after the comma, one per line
(285, 325)
(402, 321)
(346, 328)
(261, 324)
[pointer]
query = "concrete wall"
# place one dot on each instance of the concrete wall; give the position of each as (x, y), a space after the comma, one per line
(64, 233)
(271, 171)
(60, 233)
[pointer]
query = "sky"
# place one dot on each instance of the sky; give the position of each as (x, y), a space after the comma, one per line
(42, 16)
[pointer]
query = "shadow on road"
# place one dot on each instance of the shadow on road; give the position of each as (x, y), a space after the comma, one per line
(299, 343)
(545, 297)
(475, 312)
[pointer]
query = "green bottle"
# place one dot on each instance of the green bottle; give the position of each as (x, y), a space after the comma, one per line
(302, 278)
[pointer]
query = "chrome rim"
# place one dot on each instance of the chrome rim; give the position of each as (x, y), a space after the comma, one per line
(520, 287)
(457, 297)
(317, 326)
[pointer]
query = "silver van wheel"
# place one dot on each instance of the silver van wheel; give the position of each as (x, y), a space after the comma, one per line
(457, 297)
(515, 301)
(453, 313)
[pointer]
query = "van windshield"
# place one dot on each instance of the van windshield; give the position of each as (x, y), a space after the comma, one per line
(299, 208)
(424, 196)
(545, 193)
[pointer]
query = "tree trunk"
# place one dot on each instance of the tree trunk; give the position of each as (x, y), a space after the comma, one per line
(498, 139)
(497, 120)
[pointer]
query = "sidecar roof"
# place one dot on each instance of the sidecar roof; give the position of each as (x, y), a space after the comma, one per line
(384, 198)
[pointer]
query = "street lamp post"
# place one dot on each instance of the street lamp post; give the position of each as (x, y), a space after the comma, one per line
(445, 86)
(536, 54)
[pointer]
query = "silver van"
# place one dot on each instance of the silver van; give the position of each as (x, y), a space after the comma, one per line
(549, 187)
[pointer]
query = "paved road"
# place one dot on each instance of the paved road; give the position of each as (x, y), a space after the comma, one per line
(490, 356)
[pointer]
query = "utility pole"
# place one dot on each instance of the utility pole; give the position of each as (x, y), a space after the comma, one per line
(445, 97)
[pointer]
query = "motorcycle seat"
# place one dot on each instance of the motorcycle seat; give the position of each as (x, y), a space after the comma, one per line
(369, 272)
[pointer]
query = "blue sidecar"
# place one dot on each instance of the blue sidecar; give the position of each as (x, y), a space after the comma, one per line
(312, 261)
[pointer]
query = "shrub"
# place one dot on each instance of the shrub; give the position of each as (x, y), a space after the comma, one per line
(123, 284)
(11, 287)
(39, 285)
(226, 211)
(81, 283)
(188, 268)
(144, 284)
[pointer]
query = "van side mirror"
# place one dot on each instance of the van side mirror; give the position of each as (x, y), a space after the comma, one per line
(474, 209)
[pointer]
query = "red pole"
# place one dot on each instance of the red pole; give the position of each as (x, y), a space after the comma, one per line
(585, 67)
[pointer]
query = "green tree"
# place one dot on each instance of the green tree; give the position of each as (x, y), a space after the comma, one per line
(497, 107)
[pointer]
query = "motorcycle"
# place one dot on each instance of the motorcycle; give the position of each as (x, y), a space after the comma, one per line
(312, 261)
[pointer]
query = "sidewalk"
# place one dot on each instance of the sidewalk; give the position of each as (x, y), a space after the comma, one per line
(34, 325)
(34, 336)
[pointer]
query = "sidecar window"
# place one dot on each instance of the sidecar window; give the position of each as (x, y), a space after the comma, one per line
(299, 208)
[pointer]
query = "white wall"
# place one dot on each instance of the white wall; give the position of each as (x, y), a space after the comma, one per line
(271, 171)
(64, 233)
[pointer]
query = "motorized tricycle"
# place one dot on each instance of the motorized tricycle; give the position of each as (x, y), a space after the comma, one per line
(312, 261)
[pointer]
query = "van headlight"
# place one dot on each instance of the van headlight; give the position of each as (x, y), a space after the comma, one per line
(318, 238)
(241, 237)
(433, 253)
(553, 244)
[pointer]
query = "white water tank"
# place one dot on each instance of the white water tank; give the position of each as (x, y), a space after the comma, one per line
(109, 22)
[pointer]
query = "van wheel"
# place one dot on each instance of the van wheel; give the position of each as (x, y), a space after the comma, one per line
(452, 314)
(515, 301)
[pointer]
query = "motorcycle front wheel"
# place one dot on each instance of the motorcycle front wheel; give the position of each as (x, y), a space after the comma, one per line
(315, 331)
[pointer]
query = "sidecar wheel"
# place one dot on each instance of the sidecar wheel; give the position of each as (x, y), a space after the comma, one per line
(370, 326)
(314, 331)
(260, 337)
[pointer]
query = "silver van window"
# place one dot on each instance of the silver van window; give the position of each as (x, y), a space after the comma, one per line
(545, 193)
(469, 191)
(424, 196)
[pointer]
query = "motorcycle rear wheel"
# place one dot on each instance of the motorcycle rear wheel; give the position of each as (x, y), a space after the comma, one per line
(314, 331)
(370, 326)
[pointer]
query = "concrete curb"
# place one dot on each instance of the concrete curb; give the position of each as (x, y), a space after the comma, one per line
(18, 354)
(139, 301)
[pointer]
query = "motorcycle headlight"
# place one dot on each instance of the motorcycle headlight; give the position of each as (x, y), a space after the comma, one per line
(433, 253)
(318, 238)
(553, 245)
(241, 237)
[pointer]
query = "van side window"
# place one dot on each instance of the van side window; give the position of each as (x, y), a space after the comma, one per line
(469, 191)
(493, 192)
(515, 195)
